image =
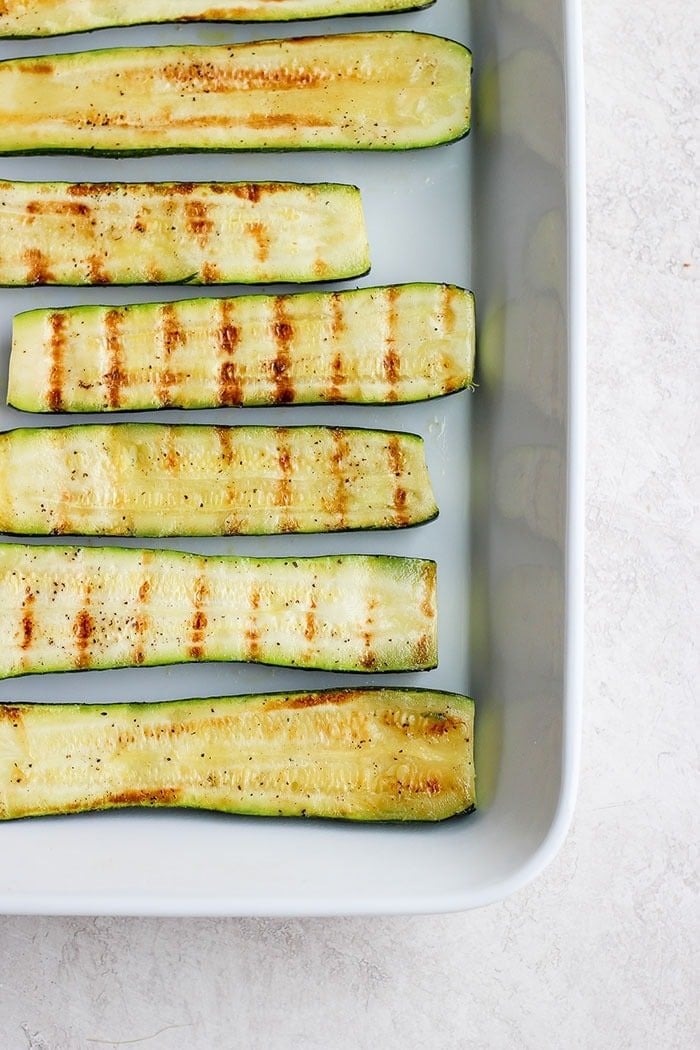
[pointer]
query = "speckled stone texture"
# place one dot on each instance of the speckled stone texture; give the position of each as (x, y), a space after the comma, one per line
(602, 950)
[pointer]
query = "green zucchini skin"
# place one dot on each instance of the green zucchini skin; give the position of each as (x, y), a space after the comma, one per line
(363, 91)
(386, 345)
(352, 754)
(152, 479)
(89, 608)
(56, 17)
(56, 233)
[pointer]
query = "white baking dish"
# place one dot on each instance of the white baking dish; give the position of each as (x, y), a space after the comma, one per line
(501, 212)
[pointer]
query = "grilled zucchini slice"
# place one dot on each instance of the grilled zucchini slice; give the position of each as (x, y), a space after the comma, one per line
(195, 233)
(54, 17)
(151, 479)
(382, 91)
(82, 608)
(356, 754)
(370, 345)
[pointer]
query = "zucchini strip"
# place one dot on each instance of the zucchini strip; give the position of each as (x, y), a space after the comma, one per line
(381, 91)
(151, 479)
(356, 754)
(370, 345)
(82, 608)
(55, 17)
(195, 233)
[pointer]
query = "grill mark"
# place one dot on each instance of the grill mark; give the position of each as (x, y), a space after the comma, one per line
(392, 358)
(252, 634)
(198, 221)
(38, 270)
(283, 334)
(317, 699)
(96, 270)
(170, 455)
(250, 191)
(337, 328)
(311, 624)
(258, 231)
(141, 621)
(172, 337)
(283, 491)
(28, 623)
(211, 274)
(115, 376)
(230, 386)
(447, 310)
(57, 346)
(44, 68)
(368, 660)
(12, 713)
(199, 622)
(253, 122)
(428, 578)
(225, 440)
(58, 208)
(208, 76)
(339, 503)
(83, 631)
(159, 796)
(397, 466)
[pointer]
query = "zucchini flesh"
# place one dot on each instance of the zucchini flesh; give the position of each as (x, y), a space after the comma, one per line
(196, 233)
(54, 17)
(370, 345)
(82, 608)
(378, 90)
(357, 754)
(150, 479)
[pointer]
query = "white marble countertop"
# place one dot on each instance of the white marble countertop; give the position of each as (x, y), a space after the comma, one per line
(601, 951)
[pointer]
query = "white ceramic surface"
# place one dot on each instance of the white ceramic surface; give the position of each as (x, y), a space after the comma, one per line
(600, 952)
(507, 469)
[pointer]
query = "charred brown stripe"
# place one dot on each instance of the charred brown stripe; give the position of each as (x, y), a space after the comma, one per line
(315, 700)
(198, 221)
(171, 454)
(258, 232)
(310, 622)
(157, 796)
(252, 633)
(38, 269)
(392, 358)
(83, 630)
(57, 348)
(427, 606)
(397, 466)
(96, 270)
(339, 456)
(141, 621)
(115, 376)
(198, 629)
(173, 337)
(421, 650)
(27, 622)
(337, 326)
(210, 273)
(447, 310)
(368, 658)
(449, 319)
(226, 443)
(58, 208)
(210, 77)
(283, 334)
(230, 386)
(283, 493)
